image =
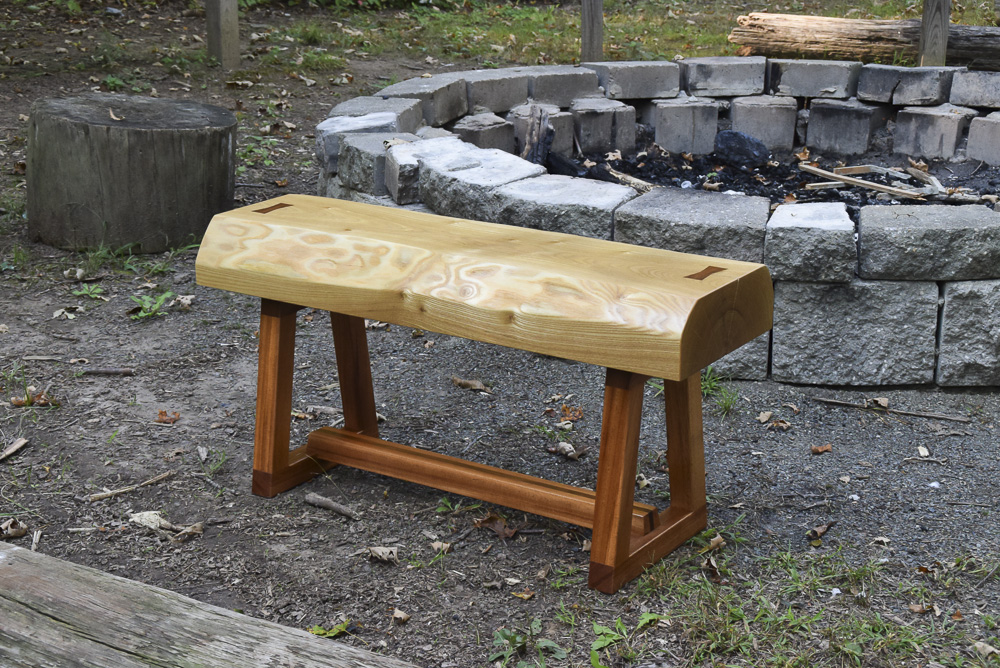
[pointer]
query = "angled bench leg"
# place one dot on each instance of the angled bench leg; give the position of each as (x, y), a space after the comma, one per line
(355, 374)
(615, 557)
(275, 468)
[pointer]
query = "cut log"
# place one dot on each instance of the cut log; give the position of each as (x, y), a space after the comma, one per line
(122, 170)
(789, 35)
(538, 136)
(55, 613)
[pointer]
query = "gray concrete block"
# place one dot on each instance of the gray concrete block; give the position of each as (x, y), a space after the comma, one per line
(601, 124)
(694, 221)
(442, 98)
(749, 362)
(559, 204)
(330, 132)
(930, 132)
(493, 90)
(906, 86)
(970, 334)
(409, 113)
(858, 333)
(486, 131)
(984, 139)
(686, 124)
(561, 84)
(976, 89)
(813, 78)
(362, 160)
(637, 79)
(811, 242)
(843, 126)
(929, 242)
(430, 132)
(402, 165)
(459, 185)
(561, 122)
(723, 76)
(769, 118)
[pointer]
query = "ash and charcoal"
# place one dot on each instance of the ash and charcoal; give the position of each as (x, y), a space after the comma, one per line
(741, 163)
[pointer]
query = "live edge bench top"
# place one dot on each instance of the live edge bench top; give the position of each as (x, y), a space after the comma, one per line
(648, 311)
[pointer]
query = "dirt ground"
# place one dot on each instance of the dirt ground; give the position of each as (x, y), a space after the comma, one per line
(906, 573)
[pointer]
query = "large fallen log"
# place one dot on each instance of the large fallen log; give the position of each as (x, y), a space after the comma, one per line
(789, 35)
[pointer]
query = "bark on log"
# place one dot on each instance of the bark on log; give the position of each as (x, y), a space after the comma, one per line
(55, 613)
(789, 35)
(120, 170)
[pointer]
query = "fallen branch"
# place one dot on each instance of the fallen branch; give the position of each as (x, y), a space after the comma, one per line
(603, 172)
(323, 502)
(131, 488)
(926, 459)
(879, 409)
(850, 180)
(13, 447)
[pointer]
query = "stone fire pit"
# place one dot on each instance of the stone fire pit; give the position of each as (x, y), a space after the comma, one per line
(904, 295)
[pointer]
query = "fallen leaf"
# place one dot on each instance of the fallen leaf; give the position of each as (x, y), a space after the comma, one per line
(4, 329)
(586, 544)
(113, 117)
(13, 447)
(641, 481)
(386, 554)
(711, 569)
(717, 543)
(918, 609)
(921, 165)
(923, 452)
(820, 449)
(281, 183)
(957, 616)
(512, 581)
(568, 450)
(181, 301)
(818, 532)
(803, 155)
(163, 417)
(67, 313)
(399, 616)
(527, 594)
(790, 198)
(764, 416)
(151, 519)
(497, 524)
(881, 402)
(795, 409)
(881, 540)
(185, 533)
(476, 385)
(844, 479)
(301, 415)
(783, 425)
(571, 413)
(441, 547)
(984, 650)
(12, 529)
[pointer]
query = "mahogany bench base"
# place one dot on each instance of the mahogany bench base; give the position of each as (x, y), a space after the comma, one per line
(627, 536)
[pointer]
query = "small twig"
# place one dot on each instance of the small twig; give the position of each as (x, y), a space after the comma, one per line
(35, 537)
(879, 409)
(925, 459)
(108, 371)
(898, 192)
(988, 576)
(966, 503)
(12, 448)
(462, 536)
(323, 502)
(825, 502)
(131, 488)
(82, 529)
(251, 185)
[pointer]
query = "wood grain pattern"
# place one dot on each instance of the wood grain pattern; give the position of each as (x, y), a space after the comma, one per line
(354, 373)
(479, 481)
(56, 613)
(934, 33)
(606, 303)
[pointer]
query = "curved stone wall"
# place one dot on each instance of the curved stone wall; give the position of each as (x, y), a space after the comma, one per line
(906, 295)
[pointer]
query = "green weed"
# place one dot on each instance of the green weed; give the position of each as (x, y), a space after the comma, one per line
(90, 290)
(513, 644)
(150, 306)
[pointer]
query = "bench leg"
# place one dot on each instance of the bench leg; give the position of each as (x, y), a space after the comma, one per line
(275, 468)
(615, 556)
(355, 374)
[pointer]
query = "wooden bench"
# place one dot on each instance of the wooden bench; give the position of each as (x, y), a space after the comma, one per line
(637, 311)
(56, 613)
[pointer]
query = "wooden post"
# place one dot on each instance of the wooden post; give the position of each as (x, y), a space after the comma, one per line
(934, 33)
(592, 31)
(223, 32)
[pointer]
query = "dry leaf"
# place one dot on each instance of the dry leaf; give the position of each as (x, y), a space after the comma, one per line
(163, 417)
(844, 479)
(818, 532)
(476, 385)
(568, 450)
(399, 616)
(571, 413)
(881, 540)
(783, 425)
(764, 416)
(803, 155)
(4, 329)
(512, 581)
(386, 554)
(957, 616)
(984, 650)
(151, 519)
(918, 609)
(923, 452)
(12, 529)
(113, 117)
(441, 547)
(497, 524)
(790, 198)
(641, 481)
(281, 183)
(526, 594)
(185, 533)
(795, 409)
(717, 543)
(881, 402)
(922, 166)
(13, 447)
(820, 449)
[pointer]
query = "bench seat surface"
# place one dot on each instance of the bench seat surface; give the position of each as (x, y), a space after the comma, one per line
(644, 310)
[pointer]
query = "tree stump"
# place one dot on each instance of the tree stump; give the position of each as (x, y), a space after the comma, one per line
(119, 170)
